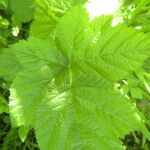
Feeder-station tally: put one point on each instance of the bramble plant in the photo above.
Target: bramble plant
(74, 82)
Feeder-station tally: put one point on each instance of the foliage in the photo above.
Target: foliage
(73, 82)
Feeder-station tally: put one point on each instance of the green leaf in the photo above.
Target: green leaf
(79, 117)
(9, 65)
(36, 57)
(136, 93)
(101, 23)
(35, 53)
(139, 16)
(48, 13)
(3, 105)
(23, 11)
(66, 88)
(72, 33)
(4, 30)
(23, 131)
(44, 20)
(120, 49)
(3, 4)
